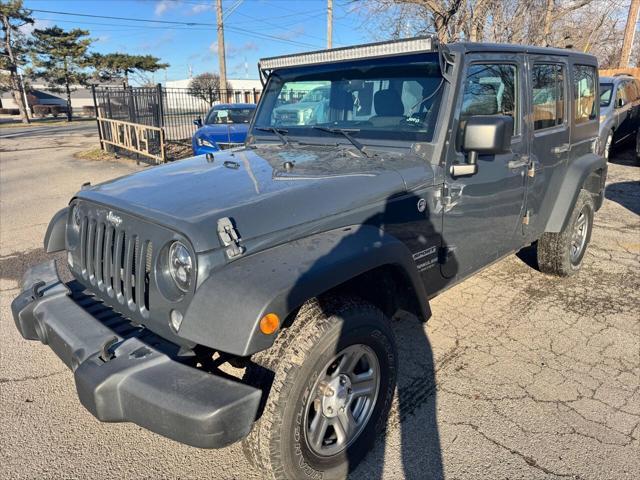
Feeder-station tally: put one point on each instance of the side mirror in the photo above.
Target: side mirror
(198, 122)
(484, 135)
(619, 102)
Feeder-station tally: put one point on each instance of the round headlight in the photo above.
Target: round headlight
(76, 216)
(180, 265)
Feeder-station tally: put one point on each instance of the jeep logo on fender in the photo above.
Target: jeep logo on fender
(114, 219)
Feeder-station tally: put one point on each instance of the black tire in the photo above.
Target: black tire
(277, 444)
(554, 250)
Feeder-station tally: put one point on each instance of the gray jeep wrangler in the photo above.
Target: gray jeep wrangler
(287, 257)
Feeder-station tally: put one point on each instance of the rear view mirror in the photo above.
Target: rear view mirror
(484, 135)
(198, 122)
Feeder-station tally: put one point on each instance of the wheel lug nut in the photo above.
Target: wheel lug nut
(342, 381)
(349, 391)
(330, 409)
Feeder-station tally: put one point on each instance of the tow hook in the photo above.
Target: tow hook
(105, 353)
(35, 289)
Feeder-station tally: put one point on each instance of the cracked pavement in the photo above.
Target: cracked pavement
(517, 375)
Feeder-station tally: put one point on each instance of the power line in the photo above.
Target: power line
(239, 30)
(128, 19)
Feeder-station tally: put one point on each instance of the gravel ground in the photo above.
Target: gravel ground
(516, 376)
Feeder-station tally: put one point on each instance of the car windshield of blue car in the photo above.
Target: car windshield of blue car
(394, 98)
(606, 89)
(229, 115)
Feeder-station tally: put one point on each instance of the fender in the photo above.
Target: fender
(55, 237)
(225, 311)
(573, 181)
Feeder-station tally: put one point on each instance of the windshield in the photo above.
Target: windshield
(229, 115)
(394, 98)
(605, 94)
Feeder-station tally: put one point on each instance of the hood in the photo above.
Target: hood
(229, 132)
(251, 186)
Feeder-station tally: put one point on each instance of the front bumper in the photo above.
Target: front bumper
(124, 373)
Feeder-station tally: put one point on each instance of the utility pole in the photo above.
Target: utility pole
(221, 56)
(329, 23)
(629, 33)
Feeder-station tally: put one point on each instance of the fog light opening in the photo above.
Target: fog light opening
(175, 320)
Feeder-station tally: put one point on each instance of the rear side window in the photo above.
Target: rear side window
(584, 93)
(630, 91)
(490, 89)
(548, 96)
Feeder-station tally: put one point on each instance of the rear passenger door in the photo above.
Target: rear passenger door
(550, 135)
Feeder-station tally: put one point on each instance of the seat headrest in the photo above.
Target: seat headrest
(388, 103)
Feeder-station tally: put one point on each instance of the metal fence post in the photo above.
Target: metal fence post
(160, 106)
(97, 111)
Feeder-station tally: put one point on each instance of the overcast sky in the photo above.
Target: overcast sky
(254, 29)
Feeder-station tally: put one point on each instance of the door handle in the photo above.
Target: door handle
(565, 147)
(519, 162)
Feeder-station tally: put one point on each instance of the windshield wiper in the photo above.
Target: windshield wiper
(280, 132)
(345, 132)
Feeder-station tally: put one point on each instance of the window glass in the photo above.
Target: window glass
(229, 115)
(584, 93)
(548, 96)
(374, 98)
(621, 95)
(490, 89)
(630, 91)
(606, 89)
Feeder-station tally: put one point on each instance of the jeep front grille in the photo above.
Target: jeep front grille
(116, 262)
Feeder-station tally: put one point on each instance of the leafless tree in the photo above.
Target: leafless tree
(594, 26)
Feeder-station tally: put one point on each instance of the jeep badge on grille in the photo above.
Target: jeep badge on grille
(114, 219)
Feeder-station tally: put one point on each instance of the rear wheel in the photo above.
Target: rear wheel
(562, 253)
(333, 378)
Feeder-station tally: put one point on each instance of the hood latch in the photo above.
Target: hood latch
(229, 237)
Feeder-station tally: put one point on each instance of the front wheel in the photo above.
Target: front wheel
(333, 379)
(562, 253)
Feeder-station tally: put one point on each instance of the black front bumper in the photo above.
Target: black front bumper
(123, 376)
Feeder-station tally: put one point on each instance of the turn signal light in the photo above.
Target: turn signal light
(269, 323)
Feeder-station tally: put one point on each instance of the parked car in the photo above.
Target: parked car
(619, 111)
(225, 126)
(287, 258)
(310, 109)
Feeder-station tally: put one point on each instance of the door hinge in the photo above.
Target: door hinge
(230, 237)
(527, 218)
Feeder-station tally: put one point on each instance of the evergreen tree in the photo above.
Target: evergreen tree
(13, 55)
(117, 66)
(59, 57)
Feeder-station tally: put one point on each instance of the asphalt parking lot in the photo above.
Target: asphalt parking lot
(516, 376)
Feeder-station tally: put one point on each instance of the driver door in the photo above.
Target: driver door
(483, 212)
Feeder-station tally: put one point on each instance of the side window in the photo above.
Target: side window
(490, 89)
(548, 96)
(621, 94)
(584, 93)
(630, 91)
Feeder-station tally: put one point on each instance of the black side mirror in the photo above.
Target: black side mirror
(619, 102)
(198, 122)
(484, 135)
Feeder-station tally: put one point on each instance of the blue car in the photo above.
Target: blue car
(225, 127)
